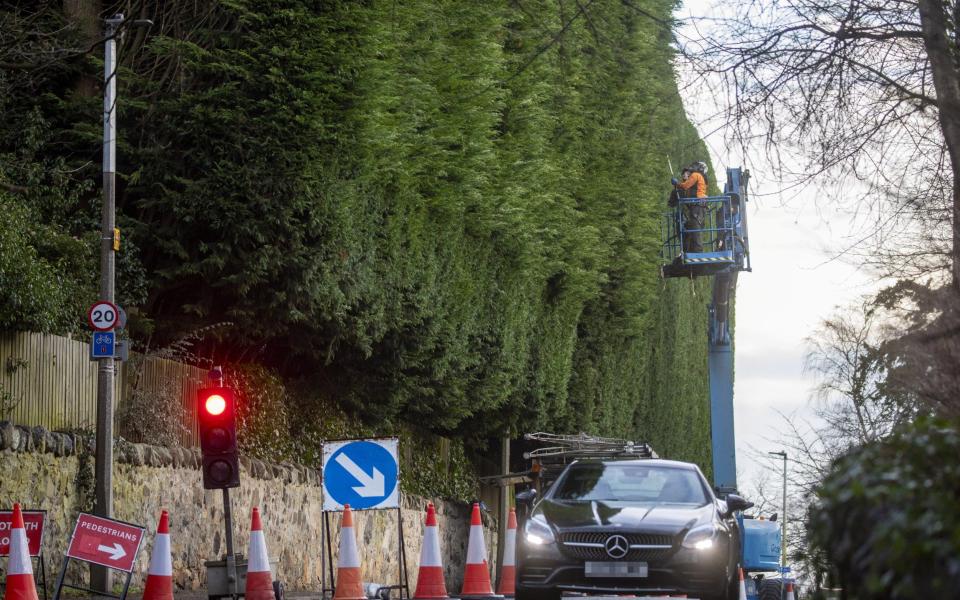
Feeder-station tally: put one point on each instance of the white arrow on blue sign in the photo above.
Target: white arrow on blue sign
(361, 473)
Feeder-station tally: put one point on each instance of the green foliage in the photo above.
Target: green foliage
(49, 237)
(155, 416)
(438, 212)
(432, 466)
(8, 403)
(39, 290)
(263, 420)
(888, 518)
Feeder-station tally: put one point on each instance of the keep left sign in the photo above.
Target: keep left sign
(362, 473)
(33, 522)
(106, 542)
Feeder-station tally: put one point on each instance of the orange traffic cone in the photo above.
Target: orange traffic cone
(159, 584)
(349, 585)
(508, 570)
(259, 578)
(743, 586)
(20, 583)
(790, 595)
(430, 584)
(476, 576)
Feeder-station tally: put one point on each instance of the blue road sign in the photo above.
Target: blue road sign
(361, 473)
(102, 346)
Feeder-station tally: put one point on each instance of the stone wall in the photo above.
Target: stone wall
(54, 472)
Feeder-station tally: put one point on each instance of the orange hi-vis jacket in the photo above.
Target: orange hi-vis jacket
(695, 179)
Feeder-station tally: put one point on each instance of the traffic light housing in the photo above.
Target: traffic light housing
(216, 414)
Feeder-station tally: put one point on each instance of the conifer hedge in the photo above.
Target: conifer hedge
(434, 211)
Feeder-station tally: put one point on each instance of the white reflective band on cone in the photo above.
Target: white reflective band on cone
(510, 548)
(258, 553)
(349, 557)
(430, 554)
(160, 563)
(476, 549)
(19, 554)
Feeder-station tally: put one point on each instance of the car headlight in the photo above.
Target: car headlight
(701, 538)
(537, 532)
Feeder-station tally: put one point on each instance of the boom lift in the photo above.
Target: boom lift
(719, 248)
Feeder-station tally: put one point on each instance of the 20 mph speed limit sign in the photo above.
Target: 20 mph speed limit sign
(103, 316)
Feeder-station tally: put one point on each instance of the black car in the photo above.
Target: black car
(629, 527)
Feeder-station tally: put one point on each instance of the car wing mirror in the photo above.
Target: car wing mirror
(736, 503)
(525, 502)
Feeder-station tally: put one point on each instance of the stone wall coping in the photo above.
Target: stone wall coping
(39, 440)
(19, 438)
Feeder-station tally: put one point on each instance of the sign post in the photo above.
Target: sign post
(33, 523)
(366, 475)
(106, 542)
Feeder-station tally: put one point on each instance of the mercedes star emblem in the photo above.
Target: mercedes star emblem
(616, 546)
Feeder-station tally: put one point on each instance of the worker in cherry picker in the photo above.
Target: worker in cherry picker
(693, 185)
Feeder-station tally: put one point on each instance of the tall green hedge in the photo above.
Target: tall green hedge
(442, 212)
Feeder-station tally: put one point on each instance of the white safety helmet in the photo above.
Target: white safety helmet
(700, 166)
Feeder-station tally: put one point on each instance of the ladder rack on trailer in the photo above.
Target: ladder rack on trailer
(549, 461)
(586, 446)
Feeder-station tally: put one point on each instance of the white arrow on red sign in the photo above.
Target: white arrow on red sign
(116, 552)
(106, 542)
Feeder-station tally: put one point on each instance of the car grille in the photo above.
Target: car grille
(596, 550)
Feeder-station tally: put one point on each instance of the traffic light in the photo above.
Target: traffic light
(218, 438)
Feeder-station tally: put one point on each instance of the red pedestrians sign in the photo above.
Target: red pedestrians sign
(33, 521)
(105, 542)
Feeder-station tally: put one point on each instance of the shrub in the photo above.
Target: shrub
(154, 416)
(263, 423)
(888, 519)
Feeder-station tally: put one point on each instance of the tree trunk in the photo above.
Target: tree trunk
(946, 80)
(85, 16)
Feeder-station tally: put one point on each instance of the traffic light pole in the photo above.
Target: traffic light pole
(216, 378)
(231, 557)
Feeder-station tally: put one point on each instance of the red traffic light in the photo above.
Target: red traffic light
(215, 404)
(216, 422)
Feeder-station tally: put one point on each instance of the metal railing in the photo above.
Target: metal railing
(701, 226)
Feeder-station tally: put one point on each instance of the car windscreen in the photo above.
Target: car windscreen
(631, 483)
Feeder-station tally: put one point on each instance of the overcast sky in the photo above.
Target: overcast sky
(795, 283)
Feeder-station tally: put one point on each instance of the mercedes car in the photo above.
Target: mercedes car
(628, 527)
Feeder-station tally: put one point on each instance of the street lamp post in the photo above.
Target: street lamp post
(783, 516)
(103, 459)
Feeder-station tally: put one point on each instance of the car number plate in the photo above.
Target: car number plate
(615, 569)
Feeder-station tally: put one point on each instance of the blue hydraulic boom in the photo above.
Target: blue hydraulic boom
(707, 237)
